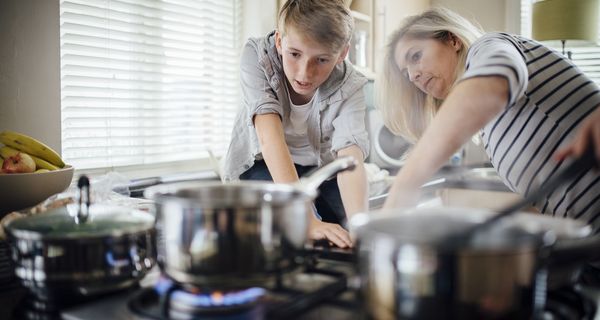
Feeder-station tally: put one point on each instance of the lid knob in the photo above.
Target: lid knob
(84, 195)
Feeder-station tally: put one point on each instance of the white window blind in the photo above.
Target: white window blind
(147, 81)
(587, 58)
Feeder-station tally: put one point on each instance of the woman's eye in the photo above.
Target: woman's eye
(416, 56)
(294, 54)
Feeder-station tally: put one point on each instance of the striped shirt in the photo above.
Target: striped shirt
(548, 99)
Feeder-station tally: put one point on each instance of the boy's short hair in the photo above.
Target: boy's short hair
(326, 21)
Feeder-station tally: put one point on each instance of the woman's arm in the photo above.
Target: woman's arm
(353, 184)
(469, 106)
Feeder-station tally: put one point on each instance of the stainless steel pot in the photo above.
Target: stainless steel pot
(78, 251)
(237, 234)
(408, 271)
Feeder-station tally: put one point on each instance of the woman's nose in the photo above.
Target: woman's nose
(413, 74)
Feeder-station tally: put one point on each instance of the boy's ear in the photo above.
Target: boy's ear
(344, 53)
(278, 41)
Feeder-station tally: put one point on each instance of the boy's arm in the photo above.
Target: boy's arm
(279, 162)
(276, 154)
(353, 184)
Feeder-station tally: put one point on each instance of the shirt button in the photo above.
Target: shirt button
(246, 166)
(327, 138)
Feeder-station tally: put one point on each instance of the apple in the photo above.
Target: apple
(18, 163)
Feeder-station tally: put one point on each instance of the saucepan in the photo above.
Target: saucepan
(82, 250)
(408, 270)
(234, 235)
(414, 264)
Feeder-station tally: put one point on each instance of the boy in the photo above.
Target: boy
(303, 106)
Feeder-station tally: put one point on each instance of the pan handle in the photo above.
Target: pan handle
(311, 183)
(575, 251)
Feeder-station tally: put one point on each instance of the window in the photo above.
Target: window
(587, 58)
(147, 81)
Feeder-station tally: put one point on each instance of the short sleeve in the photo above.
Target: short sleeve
(497, 54)
(349, 125)
(258, 96)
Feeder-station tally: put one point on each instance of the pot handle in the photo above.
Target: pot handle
(575, 251)
(311, 183)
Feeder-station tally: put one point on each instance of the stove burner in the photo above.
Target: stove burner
(278, 300)
(194, 301)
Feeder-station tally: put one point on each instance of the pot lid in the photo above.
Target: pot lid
(61, 223)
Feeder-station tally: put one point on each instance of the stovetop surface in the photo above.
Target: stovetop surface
(339, 306)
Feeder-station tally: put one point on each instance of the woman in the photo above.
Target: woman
(444, 81)
(303, 106)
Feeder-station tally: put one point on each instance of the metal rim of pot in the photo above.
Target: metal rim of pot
(104, 222)
(535, 224)
(197, 192)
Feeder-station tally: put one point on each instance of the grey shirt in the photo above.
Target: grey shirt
(337, 120)
(549, 98)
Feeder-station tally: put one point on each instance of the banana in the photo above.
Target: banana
(31, 146)
(41, 170)
(6, 152)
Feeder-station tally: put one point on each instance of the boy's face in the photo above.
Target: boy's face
(306, 63)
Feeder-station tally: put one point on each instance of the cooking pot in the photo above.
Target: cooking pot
(237, 234)
(82, 250)
(410, 270)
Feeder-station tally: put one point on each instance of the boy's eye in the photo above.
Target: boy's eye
(294, 54)
(322, 60)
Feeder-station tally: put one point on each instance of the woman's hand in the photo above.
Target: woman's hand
(588, 135)
(333, 232)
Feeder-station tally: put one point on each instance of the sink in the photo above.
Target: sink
(478, 187)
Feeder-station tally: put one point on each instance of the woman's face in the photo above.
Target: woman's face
(430, 64)
(306, 63)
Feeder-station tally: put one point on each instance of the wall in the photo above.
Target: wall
(259, 17)
(492, 15)
(30, 68)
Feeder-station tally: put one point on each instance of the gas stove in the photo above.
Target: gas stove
(325, 287)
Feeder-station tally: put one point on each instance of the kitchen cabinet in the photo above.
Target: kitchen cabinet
(361, 52)
(388, 14)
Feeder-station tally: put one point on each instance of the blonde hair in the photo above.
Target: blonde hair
(406, 110)
(328, 22)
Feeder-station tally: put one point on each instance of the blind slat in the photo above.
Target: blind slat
(147, 81)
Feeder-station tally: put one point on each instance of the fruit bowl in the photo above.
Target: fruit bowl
(23, 190)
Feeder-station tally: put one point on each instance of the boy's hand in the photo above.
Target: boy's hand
(333, 232)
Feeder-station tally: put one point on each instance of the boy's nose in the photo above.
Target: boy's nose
(306, 69)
